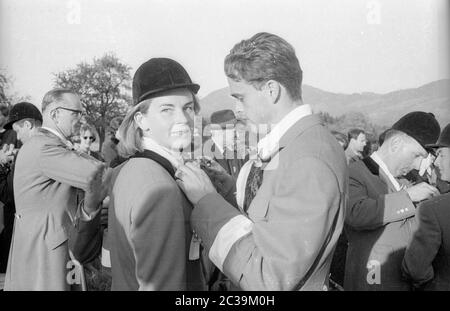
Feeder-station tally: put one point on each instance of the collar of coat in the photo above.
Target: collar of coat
(148, 154)
(298, 128)
(53, 134)
(373, 167)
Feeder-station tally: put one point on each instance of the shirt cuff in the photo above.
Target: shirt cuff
(88, 217)
(232, 231)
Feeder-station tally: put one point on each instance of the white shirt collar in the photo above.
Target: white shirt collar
(385, 169)
(269, 145)
(173, 157)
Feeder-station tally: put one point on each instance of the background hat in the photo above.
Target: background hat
(422, 126)
(22, 111)
(444, 139)
(159, 75)
(223, 117)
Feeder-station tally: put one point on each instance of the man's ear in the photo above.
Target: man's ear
(395, 144)
(273, 90)
(28, 125)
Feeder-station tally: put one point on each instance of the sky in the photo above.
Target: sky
(345, 46)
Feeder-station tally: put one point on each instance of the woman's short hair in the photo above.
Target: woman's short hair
(265, 57)
(130, 135)
(88, 127)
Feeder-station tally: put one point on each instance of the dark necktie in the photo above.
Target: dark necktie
(254, 181)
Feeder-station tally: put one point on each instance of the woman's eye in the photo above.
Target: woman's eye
(189, 108)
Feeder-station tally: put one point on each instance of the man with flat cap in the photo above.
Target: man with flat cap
(24, 118)
(427, 258)
(380, 215)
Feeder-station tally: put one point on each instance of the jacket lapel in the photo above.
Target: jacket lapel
(374, 168)
(298, 128)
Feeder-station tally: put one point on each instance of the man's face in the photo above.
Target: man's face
(255, 104)
(170, 119)
(408, 157)
(68, 114)
(442, 163)
(360, 142)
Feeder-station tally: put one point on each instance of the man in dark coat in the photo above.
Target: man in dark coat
(427, 259)
(380, 215)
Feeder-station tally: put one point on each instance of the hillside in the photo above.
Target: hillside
(382, 109)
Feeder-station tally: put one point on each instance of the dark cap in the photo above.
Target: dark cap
(158, 75)
(422, 126)
(223, 117)
(22, 111)
(444, 139)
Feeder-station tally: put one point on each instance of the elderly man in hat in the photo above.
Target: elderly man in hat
(224, 137)
(24, 118)
(291, 199)
(427, 258)
(380, 215)
(53, 228)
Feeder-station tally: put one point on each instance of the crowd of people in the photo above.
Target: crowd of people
(301, 208)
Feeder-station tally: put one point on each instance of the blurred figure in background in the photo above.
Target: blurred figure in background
(357, 140)
(7, 136)
(87, 137)
(224, 137)
(109, 146)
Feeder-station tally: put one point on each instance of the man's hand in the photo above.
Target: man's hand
(194, 182)
(421, 192)
(98, 188)
(222, 181)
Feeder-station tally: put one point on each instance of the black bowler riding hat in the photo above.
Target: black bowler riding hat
(20, 111)
(444, 139)
(422, 126)
(158, 75)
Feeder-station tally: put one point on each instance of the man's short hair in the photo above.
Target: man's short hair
(265, 57)
(354, 133)
(389, 134)
(54, 95)
(34, 122)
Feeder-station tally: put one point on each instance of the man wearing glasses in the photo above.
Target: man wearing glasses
(53, 225)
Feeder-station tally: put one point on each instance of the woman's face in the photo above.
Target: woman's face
(86, 139)
(169, 119)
